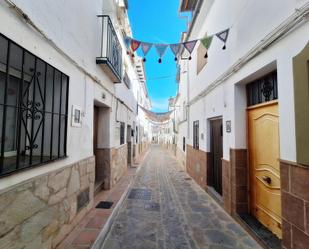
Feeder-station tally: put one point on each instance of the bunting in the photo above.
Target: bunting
(175, 49)
(190, 45)
(161, 48)
(223, 36)
(206, 42)
(146, 46)
(132, 44)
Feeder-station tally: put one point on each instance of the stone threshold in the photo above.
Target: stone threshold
(93, 228)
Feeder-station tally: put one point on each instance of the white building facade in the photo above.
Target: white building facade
(242, 111)
(69, 123)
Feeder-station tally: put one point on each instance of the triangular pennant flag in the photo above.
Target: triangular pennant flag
(161, 48)
(207, 41)
(190, 45)
(146, 46)
(175, 49)
(223, 35)
(135, 44)
(127, 42)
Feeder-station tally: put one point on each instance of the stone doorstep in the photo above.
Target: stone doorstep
(97, 222)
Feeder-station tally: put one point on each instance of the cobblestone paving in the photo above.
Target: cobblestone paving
(177, 215)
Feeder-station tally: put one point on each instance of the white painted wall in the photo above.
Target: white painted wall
(249, 22)
(73, 26)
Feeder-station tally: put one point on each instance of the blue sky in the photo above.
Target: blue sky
(158, 22)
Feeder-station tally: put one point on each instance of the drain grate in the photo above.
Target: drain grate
(105, 204)
(141, 194)
(152, 206)
(188, 178)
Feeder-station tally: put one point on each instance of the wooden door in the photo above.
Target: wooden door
(215, 170)
(265, 193)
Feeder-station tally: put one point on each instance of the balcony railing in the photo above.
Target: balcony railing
(111, 52)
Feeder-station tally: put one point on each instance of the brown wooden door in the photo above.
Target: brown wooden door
(215, 167)
(265, 192)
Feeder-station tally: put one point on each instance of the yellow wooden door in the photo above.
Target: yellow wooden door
(265, 190)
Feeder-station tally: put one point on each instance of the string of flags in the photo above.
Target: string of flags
(132, 45)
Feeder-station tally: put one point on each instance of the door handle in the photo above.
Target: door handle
(266, 179)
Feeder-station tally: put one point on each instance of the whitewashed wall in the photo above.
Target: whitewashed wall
(249, 23)
(73, 26)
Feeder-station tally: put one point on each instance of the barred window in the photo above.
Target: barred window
(263, 89)
(196, 135)
(33, 109)
(122, 131)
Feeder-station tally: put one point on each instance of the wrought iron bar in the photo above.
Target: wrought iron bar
(20, 111)
(4, 107)
(43, 114)
(52, 117)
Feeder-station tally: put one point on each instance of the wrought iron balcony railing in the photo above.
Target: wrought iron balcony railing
(111, 52)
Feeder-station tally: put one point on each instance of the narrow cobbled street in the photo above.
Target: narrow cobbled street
(166, 209)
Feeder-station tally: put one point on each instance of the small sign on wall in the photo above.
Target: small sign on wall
(228, 126)
(76, 116)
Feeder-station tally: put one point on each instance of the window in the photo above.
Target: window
(184, 144)
(196, 135)
(33, 109)
(122, 130)
(263, 89)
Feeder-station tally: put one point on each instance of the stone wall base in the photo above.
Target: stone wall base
(197, 165)
(41, 212)
(113, 162)
(295, 205)
(294, 196)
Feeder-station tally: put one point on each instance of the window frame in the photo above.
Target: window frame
(196, 141)
(122, 133)
(20, 108)
(263, 90)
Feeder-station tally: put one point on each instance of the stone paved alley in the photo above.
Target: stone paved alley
(166, 209)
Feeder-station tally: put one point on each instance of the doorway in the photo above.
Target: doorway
(95, 142)
(97, 151)
(129, 144)
(216, 154)
(263, 141)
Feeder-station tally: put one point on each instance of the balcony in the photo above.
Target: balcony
(187, 5)
(110, 59)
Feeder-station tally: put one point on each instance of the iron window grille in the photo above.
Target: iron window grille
(263, 89)
(122, 130)
(33, 109)
(196, 135)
